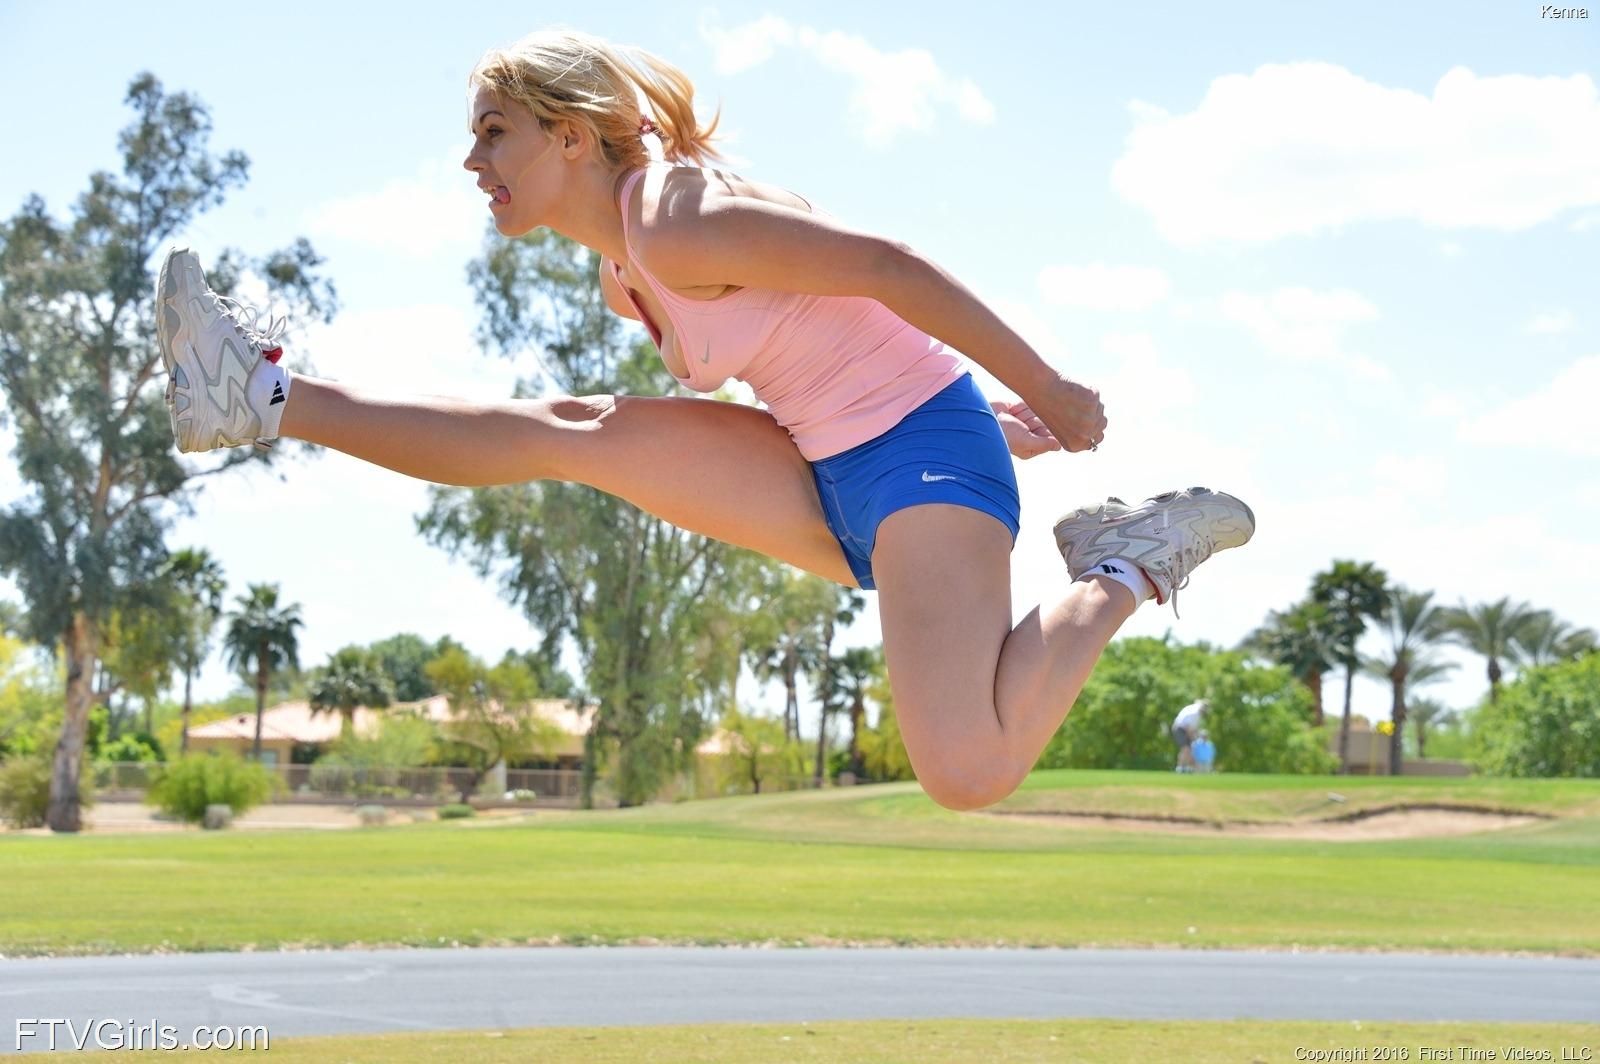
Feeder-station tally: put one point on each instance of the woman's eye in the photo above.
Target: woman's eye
(493, 132)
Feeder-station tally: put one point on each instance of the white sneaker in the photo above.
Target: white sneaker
(223, 379)
(1166, 535)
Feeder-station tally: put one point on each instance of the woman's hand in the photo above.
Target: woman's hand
(1025, 433)
(1071, 412)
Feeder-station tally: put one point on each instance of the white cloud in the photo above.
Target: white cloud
(1305, 147)
(891, 92)
(1585, 222)
(1558, 418)
(1104, 287)
(1419, 474)
(1558, 322)
(1307, 326)
(427, 349)
(747, 46)
(1446, 405)
(439, 211)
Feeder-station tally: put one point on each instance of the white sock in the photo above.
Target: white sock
(268, 392)
(1125, 573)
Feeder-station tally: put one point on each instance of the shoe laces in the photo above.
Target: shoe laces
(248, 319)
(1176, 572)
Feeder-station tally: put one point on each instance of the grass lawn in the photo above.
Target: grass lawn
(951, 1042)
(871, 864)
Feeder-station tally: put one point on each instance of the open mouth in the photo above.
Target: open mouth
(498, 195)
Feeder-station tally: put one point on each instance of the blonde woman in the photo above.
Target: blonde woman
(876, 462)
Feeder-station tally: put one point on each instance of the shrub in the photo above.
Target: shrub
(457, 811)
(1547, 723)
(185, 787)
(25, 790)
(1259, 716)
(372, 815)
(136, 746)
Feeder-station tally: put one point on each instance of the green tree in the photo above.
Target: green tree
(883, 751)
(1544, 639)
(826, 680)
(352, 678)
(634, 594)
(1546, 723)
(492, 714)
(403, 658)
(197, 578)
(758, 748)
(1413, 628)
(1301, 639)
(788, 643)
(261, 638)
(11, 620)
(141, 650)
(30, 699)
(1259, 716)
(857, 670)
(79, 375)
(1352, 593)
(1491, 630)
(1425, 713)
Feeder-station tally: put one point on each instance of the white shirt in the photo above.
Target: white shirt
(1188, 717)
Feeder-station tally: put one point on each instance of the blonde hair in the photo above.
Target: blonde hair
(564, 74)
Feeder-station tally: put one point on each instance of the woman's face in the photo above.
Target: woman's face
(514, 159)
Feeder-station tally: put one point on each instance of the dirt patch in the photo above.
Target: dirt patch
(1382, 824)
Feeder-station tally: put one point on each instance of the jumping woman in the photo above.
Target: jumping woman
(876, 463)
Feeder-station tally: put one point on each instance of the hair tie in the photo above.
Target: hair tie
(647, 127)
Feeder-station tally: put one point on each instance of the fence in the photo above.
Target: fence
(711, 778)
(321, 780)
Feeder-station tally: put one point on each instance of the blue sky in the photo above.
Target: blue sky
(1338, 262)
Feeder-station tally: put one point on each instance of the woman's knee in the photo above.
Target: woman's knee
(965, 793)
(563, 445)
(968, 779)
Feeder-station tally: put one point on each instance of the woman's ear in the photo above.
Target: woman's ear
(573, 137)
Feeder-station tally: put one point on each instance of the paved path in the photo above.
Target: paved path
(341, 992)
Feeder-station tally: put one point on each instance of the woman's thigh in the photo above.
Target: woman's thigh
(944, 596)
(717, 468)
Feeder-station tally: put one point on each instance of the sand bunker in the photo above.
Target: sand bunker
(1385, 824)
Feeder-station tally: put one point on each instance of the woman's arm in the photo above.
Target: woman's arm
(739, 240)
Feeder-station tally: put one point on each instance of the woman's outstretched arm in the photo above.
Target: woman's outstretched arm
(744, 241)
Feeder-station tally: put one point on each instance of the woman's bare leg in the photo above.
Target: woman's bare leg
(716, 468)
(977, 699)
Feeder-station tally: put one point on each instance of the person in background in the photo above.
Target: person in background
(1185, 726)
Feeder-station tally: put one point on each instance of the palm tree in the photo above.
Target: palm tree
(261, 636)
(1414, 627)
(1545, 639)
(1352, 592)
(858, 669)
(197, 578)
(841, 610)
(788, 645)
(1423, 713)
(1490, 629)
(352, 677)
(1300, 639)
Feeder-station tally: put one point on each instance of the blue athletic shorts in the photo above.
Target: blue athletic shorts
(950, 450)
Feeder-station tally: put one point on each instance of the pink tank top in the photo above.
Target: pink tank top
(835, 371)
